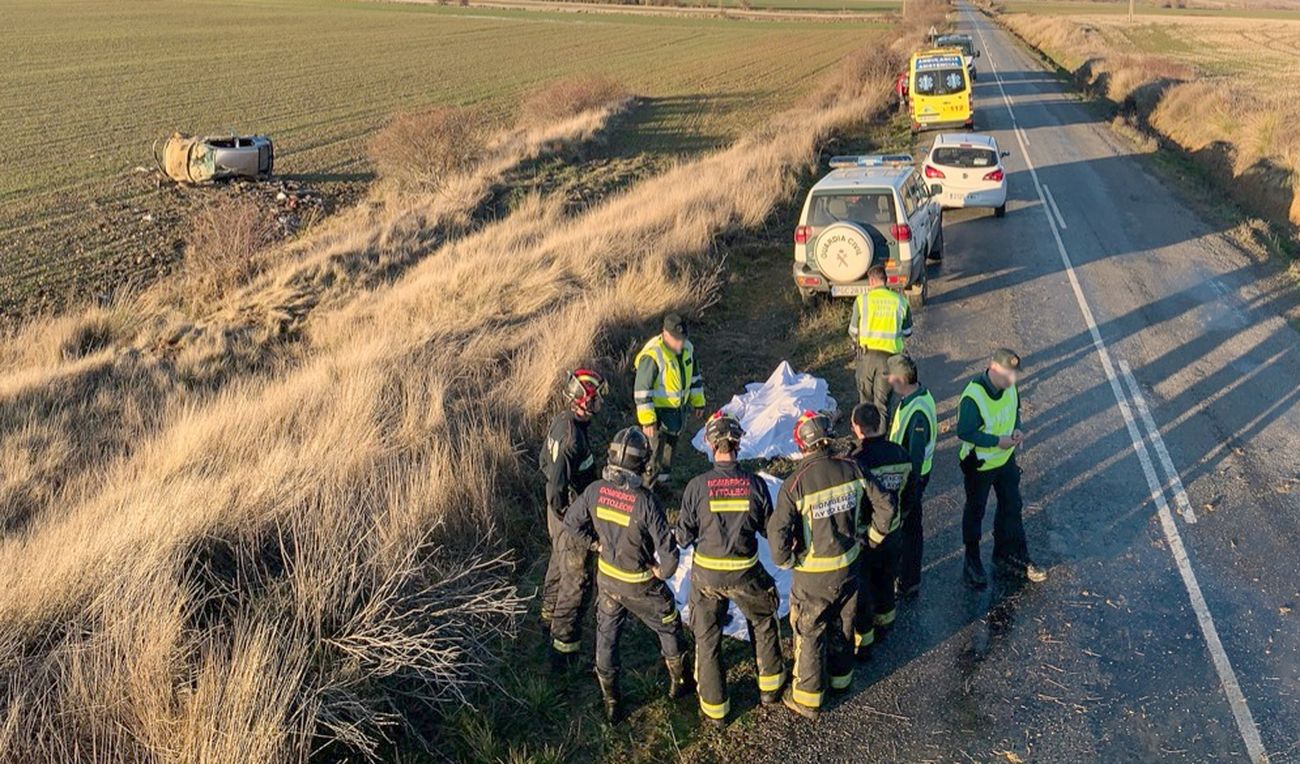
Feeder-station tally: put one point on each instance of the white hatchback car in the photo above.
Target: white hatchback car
(965, 170)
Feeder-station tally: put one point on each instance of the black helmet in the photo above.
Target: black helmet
(811, 431)
(629, 450)
(722, 428)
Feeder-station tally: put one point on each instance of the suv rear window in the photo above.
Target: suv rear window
(962, 156)
(870, 208)
(967, 46)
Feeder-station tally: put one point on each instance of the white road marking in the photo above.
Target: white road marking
(1227, 677)
(1051, 201)
(1158, 443)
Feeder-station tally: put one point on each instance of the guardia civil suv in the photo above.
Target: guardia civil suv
(868, 209)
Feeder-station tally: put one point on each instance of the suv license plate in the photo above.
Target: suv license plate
(849, 291)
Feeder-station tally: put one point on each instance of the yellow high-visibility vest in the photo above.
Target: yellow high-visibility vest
(676, 384)
(923, 403)
(999, 420)
(881, 313)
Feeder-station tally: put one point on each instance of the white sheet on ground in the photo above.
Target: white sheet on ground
(735, 625)
(768, 411)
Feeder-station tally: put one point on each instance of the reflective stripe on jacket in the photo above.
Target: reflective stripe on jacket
(922, 403)
(999, 420)
(881, 314)
(676, 382)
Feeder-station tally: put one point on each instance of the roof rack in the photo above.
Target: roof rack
(872, 160)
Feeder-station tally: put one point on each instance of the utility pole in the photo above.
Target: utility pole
(1130, 12)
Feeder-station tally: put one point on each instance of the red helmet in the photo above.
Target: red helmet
(584, 387)
(811, 430)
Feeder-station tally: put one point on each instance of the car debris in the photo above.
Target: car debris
(199, 159)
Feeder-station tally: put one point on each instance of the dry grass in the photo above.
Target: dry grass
(1209, 105)
(223, 244)
(287, 562)
(422, 151)
(567, 98)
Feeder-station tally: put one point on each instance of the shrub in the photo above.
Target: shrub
(421, 150)
(223, 245)
(570, 97)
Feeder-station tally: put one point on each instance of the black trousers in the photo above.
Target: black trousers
(877, 570)
(873, 388)
(664, 443)
(652, 604)
(754, 592)
(566, 590)
(912, 540)
(1008, 521)
(822, 606)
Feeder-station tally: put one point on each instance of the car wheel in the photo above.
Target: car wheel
(1000, 211)
(936, 250)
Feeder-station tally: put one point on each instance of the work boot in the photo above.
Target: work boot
(909, 592)
(562, 663)
(611, 697)
(1020, 568)
(768, 697)
(974, 573)
(807, 712)
(680, 682)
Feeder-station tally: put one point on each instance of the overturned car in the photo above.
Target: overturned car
(193, 159)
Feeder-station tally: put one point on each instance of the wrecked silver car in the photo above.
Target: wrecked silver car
(192, 159)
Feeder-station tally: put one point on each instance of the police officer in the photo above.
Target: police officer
(723, 511)
(667, 382)
(913, 426)
(815, 529)
(880, 322)
(988, 424)
(887, 466)
(626, 523)
(567, 463)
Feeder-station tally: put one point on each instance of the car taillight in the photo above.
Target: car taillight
(808, 281)
(934, 172)
(801, 234)
(996, 175)
(901, 232)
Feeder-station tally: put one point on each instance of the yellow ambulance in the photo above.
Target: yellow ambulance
(940, 90)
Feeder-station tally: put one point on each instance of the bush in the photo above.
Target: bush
(223, 244)
(420, 150)
(570, 97)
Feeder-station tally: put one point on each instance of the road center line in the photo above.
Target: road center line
(1051, 201)
(1158, 443)
(1227, 677)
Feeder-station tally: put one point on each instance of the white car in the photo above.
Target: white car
(965, 170)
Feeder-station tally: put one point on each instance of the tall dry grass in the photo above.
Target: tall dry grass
(286, 566)
(1237, 134)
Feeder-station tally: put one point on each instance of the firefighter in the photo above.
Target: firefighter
(887, 467)
(815, 529)
(567, 463)
(723, 511)
(667, 383)
(880, 322)
(988, 425)
(626, 522)
(915, 427)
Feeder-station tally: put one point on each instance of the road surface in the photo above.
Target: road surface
(1161, 475)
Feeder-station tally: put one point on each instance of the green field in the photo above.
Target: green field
(1279, 10)
(88, 85)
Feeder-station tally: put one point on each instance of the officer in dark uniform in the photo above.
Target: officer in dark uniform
(567, 463)
(888, 466)
(815, 529)
(627, 524)
(723, 511)
(915, 427)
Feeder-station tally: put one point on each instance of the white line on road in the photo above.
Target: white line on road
(1158, 443)
(1051, 201)
(1227, 677)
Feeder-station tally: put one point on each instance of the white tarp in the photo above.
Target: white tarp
(768, 411)
(735, 625)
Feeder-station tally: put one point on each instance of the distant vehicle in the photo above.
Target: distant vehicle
(940, 90)
(966, 45)
(868, 209)
(189, 159)
(965, 170)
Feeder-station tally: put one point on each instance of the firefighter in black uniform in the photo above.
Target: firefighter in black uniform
(567, 463)
(888, 465)
(627, 524)
(723, 511)
(815, 529)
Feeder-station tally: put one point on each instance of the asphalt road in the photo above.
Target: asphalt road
(1160, 472)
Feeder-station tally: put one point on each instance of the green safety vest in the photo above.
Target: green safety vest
(881, 313)
(672, 388)
(999, 419)
(923, 403)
